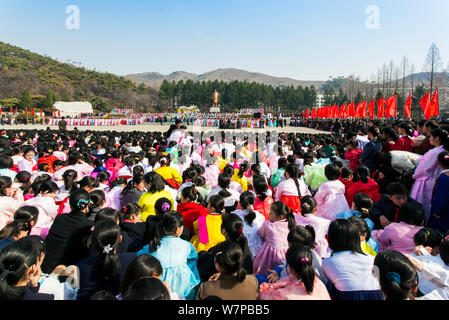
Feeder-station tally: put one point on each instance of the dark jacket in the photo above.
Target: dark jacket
(386, 207)
(132, 196)
(206, 261)
(33, 294)
(64, 242)
(151, 225)
(136, 231)
(367, 155)
(90, 279)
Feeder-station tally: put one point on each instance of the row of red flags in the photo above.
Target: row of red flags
(32, 112)
(385, 108)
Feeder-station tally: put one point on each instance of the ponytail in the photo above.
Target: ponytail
(295, 173)
(244, 166)
(69, 177)
(105, 239)
(247, 201)
(363, 172)
(300, 259)
(230, 259)
(291, 219)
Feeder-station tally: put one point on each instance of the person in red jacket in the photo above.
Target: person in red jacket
(365, 185)
(263, 201)
(189, 209)
(353, 155)
(404, 143)
(346, 177)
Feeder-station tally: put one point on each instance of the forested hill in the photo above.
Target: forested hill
(21, 69)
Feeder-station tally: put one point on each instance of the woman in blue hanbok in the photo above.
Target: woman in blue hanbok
(177, 257)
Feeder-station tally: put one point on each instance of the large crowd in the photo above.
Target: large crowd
(358, 214)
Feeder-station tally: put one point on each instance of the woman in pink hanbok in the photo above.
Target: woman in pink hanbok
(320, 225)
(274, 235)
(428, 170)
(330, 197)
(301, 284)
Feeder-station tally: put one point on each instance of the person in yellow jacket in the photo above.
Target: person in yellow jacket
(240, 175)
(223, 159)
(169, 174)
(207, 228)
(154, 183)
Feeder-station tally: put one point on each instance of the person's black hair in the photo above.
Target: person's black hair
(144, 265)
(428, 237)
(217, 202)
(374, 131)
(363, 204)
(24, 177)
(96, 199)
(443, 159)
(391, 133)
(15, 259)
(233, 225)
(228, 170)
(346, 172)
(103, 176)
(396, 188)
(300, 259)
(308, 205)
(48, 187)
(192, 194)
(280, 209)
(295, 173)
(108, 214)
(167, 227)
(244, 167)
(147, 288)
(282, 163)
(224, 181)
(5, 182)
(230, 259)
(128, 210)
(256, 168)
(14, 228)
(397, 275)
(332, 172)
(117, 182)
(162, 206)
(136, 180)
(44, 167)
(189, 174)
(363, 173)
(102, 295)
(79, 200)
(105, 239)
(362, 226)
(247, 201)
(69, 176)
(27, 213)
(6, 162)
(155, 182)
(411, 213)
(343, 235)
(260, 186)
(407, 127)
(304, 235)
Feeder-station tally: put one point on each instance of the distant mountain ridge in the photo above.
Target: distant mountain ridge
(155, 79)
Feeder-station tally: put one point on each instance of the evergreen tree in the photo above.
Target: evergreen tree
(27, 100)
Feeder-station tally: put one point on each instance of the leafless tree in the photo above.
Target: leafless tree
(432, 65)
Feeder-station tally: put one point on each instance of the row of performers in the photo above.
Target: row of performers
(96, 122)
(240, 123)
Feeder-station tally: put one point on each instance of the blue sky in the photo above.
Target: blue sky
(306, 40)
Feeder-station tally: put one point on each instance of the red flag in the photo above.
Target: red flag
(32, 112)
(59, 113)
(364, 115)
(391, 105)
(380, 108)
(434, 109)
(307, 113)
(351, 110)
(425, 104)
(313, 113)
(371, 109)
(0, 110)
(358, 110)
(26, 111)
(408, 107)
(343, 113)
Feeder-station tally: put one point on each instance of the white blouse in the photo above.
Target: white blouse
(350, 271)
(255, 242)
